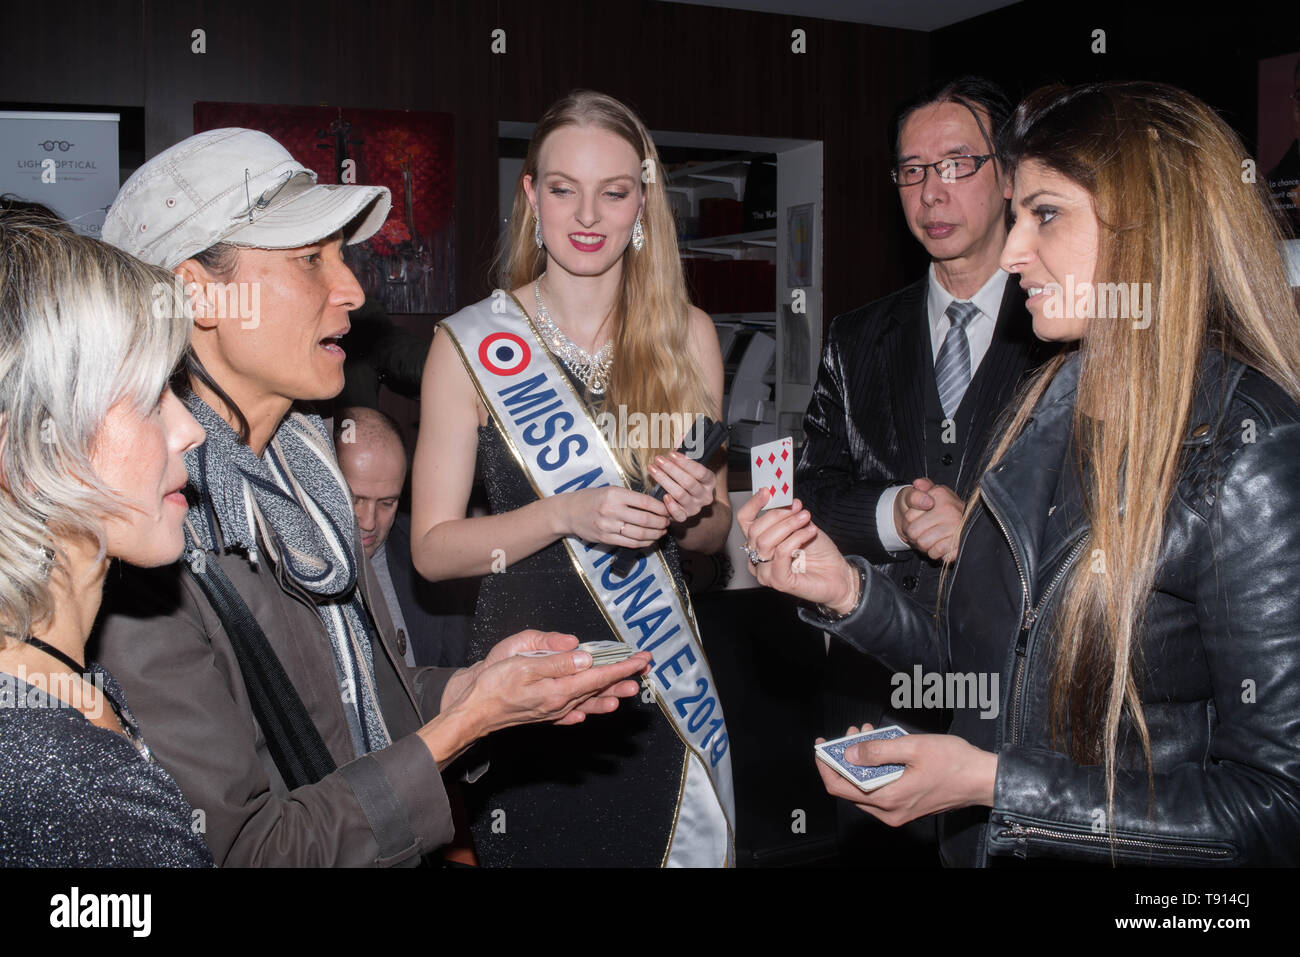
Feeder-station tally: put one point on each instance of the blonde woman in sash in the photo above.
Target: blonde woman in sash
(591, 269)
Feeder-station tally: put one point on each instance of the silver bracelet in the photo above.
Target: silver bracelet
(826, 614)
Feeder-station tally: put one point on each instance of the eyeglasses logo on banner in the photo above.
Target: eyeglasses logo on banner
(49, 145)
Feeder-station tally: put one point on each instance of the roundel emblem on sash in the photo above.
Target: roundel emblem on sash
(504, 353)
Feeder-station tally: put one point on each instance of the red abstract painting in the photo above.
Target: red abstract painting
(409, 265)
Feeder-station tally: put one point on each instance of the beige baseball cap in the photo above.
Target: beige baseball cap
(238, 186)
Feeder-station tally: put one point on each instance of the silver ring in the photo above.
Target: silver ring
(622, 525)
(753, 555)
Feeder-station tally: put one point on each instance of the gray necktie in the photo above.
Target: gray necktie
(952, 368)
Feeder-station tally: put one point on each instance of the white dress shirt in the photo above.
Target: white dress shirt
(979, 335)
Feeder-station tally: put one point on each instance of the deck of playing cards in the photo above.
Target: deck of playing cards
(607, 652)
(866, 778)
(602, 652)
(771, 467)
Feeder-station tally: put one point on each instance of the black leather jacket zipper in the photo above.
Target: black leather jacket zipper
(1028, 615)
(1022, 833)
(1026, 627)
(1025, 623)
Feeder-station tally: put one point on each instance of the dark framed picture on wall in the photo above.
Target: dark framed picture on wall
(409, 265)
(1279, 145)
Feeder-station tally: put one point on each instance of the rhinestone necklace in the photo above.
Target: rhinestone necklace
(591, 370)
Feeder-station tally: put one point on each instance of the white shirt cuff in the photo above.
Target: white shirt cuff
(885, 527)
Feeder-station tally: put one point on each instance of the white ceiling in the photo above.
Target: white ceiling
(904, 14)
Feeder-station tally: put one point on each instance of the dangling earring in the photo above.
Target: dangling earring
(638, 235)
(537, 229)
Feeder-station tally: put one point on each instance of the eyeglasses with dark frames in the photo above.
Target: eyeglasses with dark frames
(948, 169)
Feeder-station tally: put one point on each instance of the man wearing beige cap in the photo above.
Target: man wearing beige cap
(263, 668)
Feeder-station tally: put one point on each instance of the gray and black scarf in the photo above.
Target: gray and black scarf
(294, 506)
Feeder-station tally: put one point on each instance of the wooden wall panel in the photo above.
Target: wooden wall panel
(683, 67)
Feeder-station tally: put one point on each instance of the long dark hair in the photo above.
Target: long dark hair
(973, 92)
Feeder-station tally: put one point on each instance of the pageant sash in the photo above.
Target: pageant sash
(553, 437)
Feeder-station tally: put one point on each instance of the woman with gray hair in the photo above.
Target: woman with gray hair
(91, 468)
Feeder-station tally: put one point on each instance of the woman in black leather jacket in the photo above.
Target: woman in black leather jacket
(1126, 582)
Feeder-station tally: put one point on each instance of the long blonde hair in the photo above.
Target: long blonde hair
(655, 369)
(1165, 174)
(83, 326)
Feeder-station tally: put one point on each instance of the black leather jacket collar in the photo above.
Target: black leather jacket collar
(1020, 479)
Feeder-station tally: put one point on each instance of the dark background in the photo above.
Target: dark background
(683, 68)
(694, 69)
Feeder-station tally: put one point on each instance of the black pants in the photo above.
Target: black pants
(857, 690)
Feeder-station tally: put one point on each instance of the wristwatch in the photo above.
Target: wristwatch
(828, 615)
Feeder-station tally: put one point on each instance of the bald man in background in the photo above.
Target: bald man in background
(431, 620)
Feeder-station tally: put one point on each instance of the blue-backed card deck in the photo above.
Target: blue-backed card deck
(866, 778)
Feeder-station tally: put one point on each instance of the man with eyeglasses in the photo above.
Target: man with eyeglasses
(907, 397)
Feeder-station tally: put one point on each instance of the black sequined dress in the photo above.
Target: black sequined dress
(76, 795)
(599, 794)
